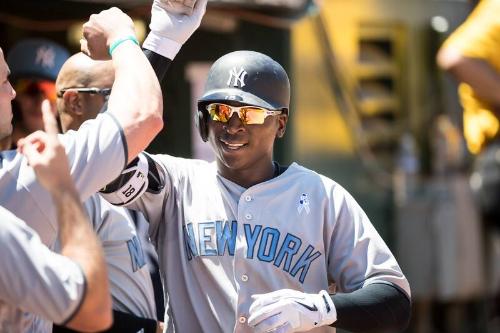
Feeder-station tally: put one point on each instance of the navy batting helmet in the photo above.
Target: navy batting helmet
(246, 77)
(36, 58)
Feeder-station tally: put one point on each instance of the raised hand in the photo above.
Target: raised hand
(102, 29)
(172, 23)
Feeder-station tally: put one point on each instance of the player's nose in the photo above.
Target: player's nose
(234, 124)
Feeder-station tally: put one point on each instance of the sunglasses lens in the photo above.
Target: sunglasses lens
(252, 115)
(219, 112)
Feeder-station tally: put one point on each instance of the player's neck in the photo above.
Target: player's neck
(248, 177)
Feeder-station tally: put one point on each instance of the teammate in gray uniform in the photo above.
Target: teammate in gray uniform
(101, 148)
(38, 286)
(248, 245)
(83, 85)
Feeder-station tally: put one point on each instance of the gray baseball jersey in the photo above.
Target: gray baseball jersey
(97, 153)
(130, 281)
(219, 243)
(37, 286)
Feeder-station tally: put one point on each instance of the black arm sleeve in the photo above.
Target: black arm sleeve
(377, 307)
(159, 63)
(125, 322)
(122, 323)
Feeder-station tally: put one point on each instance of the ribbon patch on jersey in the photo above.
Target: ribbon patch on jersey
(303, 204)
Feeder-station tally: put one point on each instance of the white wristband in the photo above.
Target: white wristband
(162, 45)
(329, 313)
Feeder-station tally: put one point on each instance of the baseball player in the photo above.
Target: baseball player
(83, 86)
(38, 286)
(248, 245)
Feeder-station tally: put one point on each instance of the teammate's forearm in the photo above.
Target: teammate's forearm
(481, 76)
(478, 73)
(136, 97)
(375, 308)
(79, 243)
(77, 239)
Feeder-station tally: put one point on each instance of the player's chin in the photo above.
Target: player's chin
(231, 160)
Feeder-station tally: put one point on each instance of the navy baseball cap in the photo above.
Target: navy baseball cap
(36, 58)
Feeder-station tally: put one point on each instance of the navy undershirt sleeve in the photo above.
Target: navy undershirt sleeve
(376, 307)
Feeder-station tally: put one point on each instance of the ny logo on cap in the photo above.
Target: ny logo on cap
(237, 77)
(45, 56)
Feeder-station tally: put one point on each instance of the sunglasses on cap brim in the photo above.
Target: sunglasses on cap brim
(36, 87)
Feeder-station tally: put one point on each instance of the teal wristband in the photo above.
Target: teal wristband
(117, 42)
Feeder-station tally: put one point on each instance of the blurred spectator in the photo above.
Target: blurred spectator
(471, 55)
(34, 64)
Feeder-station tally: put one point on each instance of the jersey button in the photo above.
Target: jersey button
(242, 320)
(248, 216)
(244, 278)
(248, 198)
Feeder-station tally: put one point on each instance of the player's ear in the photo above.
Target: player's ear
(72, 102)
(282, 121)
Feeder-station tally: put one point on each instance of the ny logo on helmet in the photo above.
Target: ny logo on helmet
(237, 77)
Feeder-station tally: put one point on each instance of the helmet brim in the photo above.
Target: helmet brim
(236, 95)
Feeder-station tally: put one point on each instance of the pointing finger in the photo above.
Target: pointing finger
(49, 120)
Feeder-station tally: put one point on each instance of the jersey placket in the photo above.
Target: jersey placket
(248, 215)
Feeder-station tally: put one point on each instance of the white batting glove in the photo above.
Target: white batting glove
(289, 310)
(172, 23)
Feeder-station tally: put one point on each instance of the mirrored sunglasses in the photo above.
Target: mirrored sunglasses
(249, 115)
